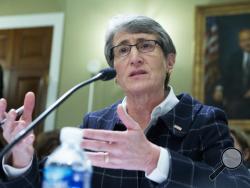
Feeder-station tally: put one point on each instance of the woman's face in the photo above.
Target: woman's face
(141, 72)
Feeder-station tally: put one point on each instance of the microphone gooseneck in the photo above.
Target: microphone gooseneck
(105, 75)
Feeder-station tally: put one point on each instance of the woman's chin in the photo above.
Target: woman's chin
(137, 89)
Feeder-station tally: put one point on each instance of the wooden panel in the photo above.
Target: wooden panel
(23, 81)
(6, 43)
(32, 47)
(25, 57)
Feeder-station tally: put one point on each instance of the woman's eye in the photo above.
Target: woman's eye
(123, 50)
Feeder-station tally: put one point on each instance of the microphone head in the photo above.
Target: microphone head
(107, 74)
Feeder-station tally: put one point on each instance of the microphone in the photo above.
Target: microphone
(105, 75)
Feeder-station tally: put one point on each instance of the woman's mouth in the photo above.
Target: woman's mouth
(137, 73)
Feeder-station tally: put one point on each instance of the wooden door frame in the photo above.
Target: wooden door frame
(55, 20)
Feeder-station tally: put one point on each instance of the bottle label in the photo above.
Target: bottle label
(64, 177)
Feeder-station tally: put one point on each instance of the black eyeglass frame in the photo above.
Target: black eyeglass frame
(136, 45)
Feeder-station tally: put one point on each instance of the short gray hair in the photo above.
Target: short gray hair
(136, 24)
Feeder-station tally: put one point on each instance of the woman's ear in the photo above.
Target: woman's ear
(116, 80)
(170, 61)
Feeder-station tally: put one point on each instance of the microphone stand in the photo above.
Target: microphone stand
(32, 125)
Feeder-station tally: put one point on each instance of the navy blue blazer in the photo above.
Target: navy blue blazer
(195, 150)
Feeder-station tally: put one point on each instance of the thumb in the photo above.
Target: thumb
(30, 139)
(127, 121)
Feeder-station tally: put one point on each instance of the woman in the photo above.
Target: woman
(152, 138)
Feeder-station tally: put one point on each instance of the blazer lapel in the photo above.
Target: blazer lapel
(179, 119)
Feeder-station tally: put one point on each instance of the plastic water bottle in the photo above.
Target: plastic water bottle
(68, 166)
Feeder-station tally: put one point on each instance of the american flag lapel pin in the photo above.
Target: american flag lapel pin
(177, 127)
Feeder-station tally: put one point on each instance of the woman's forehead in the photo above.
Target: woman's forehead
(126, 37)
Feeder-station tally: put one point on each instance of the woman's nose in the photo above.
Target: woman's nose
(135, 56)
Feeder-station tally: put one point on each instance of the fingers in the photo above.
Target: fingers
(26, 142)
(108, 160)
(96, 145)
(21, 153)
(9, 125)
(97, 158)
(30, 139)
(104, 135)
(102, 159)
(3, 105)
(29, 104)
(127, 120)
(12, 127)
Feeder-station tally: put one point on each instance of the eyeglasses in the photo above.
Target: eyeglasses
(144, 46)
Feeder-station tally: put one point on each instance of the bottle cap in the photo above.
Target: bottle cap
(71, 134)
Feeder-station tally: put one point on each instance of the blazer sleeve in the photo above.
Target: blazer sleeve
(30, 179)
(85, 123)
